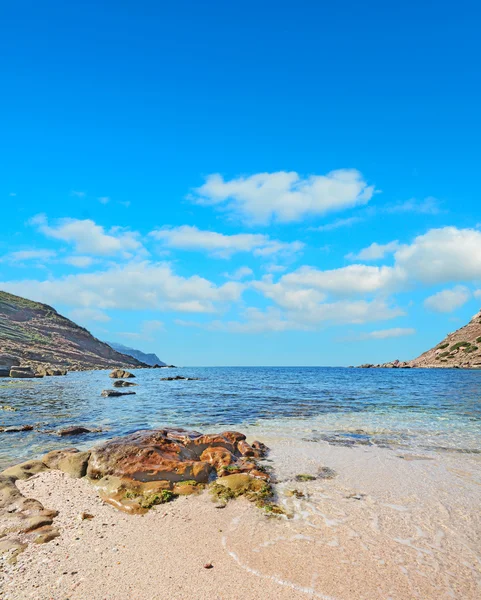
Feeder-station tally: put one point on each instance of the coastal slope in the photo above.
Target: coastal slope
(36, 334)
(459, 349)
(149, 359)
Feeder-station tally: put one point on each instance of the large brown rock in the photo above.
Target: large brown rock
(18, 372)
(148, 467)
(25, 470)
(22, 519)
(138, 471)
(70, 461)
(147, 456)
(168, 455)
(218, 457)
(121, 374)
(48, 371)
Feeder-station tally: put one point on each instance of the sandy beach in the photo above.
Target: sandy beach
(388, 526)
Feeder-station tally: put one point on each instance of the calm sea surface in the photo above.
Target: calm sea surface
(422, 410)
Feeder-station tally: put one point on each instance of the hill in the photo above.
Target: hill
(37, 334)
(461, 349)
(148, 359)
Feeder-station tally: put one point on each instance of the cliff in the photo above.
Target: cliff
(148, 359)
(460, 349)
(37, 334)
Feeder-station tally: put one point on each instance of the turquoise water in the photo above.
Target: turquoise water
(428, 410)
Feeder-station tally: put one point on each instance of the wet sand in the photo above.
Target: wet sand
(391, 525)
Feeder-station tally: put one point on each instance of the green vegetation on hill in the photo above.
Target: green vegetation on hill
(37, 334)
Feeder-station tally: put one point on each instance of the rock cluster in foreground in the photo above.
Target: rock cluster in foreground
(134, 473)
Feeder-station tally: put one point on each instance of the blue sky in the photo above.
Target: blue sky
(207, 180)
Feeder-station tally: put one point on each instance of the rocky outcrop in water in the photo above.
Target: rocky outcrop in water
(35, 334)
(121, 374)
(23, 372)
(115, 393)
(395, 364)
(123, 383)
(179, 378)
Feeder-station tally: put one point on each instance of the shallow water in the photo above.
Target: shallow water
(420, 410)
(398, 520)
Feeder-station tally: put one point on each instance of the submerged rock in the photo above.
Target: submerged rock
(179, 378)
(76, 430)
(115, 393)
(326, 473)
(16, 428)
(122, 383)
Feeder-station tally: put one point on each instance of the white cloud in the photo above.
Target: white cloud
(82, 262)
(85, 315)
(285, 196)
(383, 334)
(88, 237)
(345, 281)
(78, 194)
(104, 199)
(255, 321)
(146, 332)
(477, 294)
(442, 255)
(222, 245)
(274, 268)
(428, 206)
(133, 286)
(239, 274)
(338, 224)
(27, 255)
(304, 315)
(448, 300)
(375, 251)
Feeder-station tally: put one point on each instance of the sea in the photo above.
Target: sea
(390, 508)
(418, 410)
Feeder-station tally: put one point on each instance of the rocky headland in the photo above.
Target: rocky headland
(148, 358)
(460, 349)
(36, 340)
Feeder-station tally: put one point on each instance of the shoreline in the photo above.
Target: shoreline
(387, 526)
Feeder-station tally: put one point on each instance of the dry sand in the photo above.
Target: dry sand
(386, 528)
